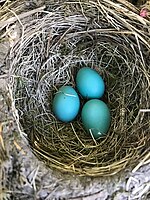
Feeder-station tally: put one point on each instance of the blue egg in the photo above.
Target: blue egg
(66, 104)
(96, 118)
(89, 83)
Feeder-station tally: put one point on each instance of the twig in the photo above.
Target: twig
(144, 110)
(141, 163)
(21, 16)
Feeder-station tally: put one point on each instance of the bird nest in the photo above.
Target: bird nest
(107, 36)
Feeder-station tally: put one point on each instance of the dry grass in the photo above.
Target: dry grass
(54, 45)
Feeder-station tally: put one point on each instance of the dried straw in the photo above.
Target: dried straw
(107, 36)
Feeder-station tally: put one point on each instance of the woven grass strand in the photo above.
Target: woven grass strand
(104, 35)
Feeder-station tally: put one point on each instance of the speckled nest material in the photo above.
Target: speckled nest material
(108, 36)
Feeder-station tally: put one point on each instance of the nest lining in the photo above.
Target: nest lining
(55, 45)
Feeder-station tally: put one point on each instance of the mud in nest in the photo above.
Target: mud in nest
(55, 44)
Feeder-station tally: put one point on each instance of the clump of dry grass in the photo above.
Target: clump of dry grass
(55, 44)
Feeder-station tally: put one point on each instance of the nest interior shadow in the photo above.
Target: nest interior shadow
(55, 44)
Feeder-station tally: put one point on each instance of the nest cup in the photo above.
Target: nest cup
(106, 36)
